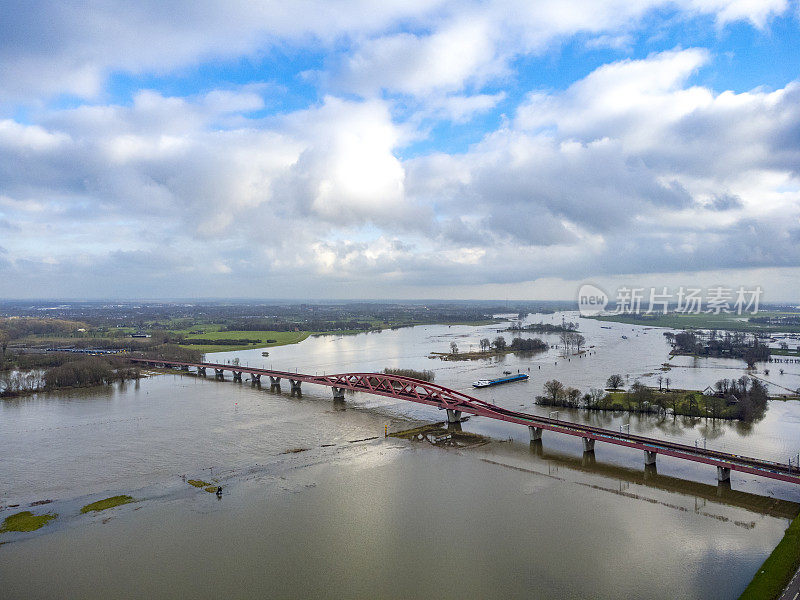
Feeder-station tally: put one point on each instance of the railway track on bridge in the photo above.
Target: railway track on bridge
(456, 403)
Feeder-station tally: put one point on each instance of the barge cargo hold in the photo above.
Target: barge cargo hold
(489, 382)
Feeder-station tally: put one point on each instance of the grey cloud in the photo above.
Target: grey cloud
(724, 202)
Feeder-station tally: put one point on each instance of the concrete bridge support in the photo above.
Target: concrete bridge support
(536, 433)
(649, 457)
(255, 378)
(338, 393)
(274, 381)
(201, 371)
(219, 373)
(588, 445)
(723, 474)
(184, 367)
(453, 416)
(237, 376)
(295, 385)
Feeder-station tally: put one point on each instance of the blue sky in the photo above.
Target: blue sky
(410, 149)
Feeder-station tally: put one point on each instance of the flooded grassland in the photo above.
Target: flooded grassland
(318, 503)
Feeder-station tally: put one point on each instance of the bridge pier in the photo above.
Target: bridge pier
(274, 381)
(295, 383)
(723, 474)
(201, 371)
(536, 433)
(255, 378)
(219, 373)
(537, 448)
(338, 393)
(237, 376)
(184, 367)
(649, 458)
(453, 416)
(588, 445)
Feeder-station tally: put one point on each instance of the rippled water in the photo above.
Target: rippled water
(356, 517)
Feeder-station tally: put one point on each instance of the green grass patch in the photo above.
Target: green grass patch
(282, 338)
(728, 322)
(107, 503)
(782, 352)
(771, 579)
(198, 483)
(26, 521)
(689, 403)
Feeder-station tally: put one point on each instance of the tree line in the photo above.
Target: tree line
(85, 371)
(744, 398)
(732, 344)
(544, 327)
(424, 375)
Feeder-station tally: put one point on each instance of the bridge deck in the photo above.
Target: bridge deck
(423, 392)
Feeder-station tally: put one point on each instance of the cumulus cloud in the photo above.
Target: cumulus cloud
(49, 47)
(634, 168)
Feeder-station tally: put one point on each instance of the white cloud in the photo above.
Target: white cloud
(632, 169)
(418, 65)
(49, 48)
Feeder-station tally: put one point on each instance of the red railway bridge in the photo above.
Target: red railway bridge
(456, 403)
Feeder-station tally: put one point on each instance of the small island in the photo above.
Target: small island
(498, 347)
(743, 399)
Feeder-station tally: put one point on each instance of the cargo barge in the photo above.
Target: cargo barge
(481, 383)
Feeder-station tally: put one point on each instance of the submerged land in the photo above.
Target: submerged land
(30, 342)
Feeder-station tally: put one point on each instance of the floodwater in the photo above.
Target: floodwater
(355, 514)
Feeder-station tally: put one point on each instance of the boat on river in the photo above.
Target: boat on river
(481, 383)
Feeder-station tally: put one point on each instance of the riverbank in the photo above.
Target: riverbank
(777, 571)
(85, 372)
(270, 339)
(725, 322)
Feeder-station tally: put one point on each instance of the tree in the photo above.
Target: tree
(660, 381)
(694, 409)
(566, 339)
(554, 390)
(686, 342)
(573, 396)
(666, 383)
(579, 341)
(614, 382)
(640, 394)
(485, 343)
(499, 343)
(453, 348)
(4, 338)
(594, 397)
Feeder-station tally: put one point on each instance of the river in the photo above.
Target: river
(355, 514)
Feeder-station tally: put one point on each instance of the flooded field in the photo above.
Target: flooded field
(317, 502)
